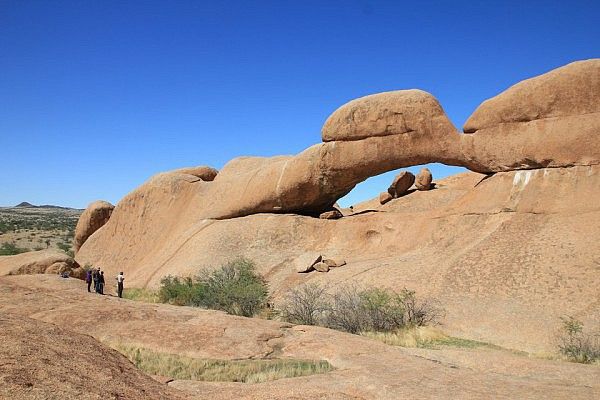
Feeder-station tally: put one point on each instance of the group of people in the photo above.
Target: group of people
(96, 276)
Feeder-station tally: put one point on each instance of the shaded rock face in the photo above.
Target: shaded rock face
(423, 179)
(93, 218)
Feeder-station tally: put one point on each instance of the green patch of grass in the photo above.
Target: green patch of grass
(248, 371)
(139, 294)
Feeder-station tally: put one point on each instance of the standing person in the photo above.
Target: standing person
(120, 279)
(88, 278)
(95, 276)
(101, 283)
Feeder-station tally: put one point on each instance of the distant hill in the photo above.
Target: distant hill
(25, 204)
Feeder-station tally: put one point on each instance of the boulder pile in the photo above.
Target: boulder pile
(311, 261)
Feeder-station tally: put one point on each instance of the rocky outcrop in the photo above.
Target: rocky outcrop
(552, 120)
(401, 183)
(93, 218)
(423, 179)
(203, 172)
(40, 262)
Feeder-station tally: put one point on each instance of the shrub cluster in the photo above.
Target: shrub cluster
(577, 345)
(355, 310)
(234, 288)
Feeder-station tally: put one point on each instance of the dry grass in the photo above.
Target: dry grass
(139, 294)
(248, 371)
(425, 337)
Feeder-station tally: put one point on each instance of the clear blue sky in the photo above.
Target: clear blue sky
(97, 96)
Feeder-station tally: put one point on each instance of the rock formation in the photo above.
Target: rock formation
(423, 179)
(516, 240)
(93, 218)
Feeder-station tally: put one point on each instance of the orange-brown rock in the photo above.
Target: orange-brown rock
(321, 267)
(93, 218)
(423, 179)
(43, 361)
(306, 261)
(203, 172)
(402, 112)
(550, 120)
(385, 197)
(38, 262)
(334, 262)
(401, 183)
(331, 214)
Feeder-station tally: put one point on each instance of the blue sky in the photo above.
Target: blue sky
(97, 96)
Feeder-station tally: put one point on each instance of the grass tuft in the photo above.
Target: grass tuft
(140, 294)
(426, 337)
(248, 371)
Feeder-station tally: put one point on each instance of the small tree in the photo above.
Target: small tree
(577, 345)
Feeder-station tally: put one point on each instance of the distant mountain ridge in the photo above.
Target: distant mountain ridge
(25, 204)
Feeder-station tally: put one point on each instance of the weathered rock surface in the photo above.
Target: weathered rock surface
(423, 179)
(364, 368)
(44, 361)
(401, 183)
(39, 262)
(93, 218)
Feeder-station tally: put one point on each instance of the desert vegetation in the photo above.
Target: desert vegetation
(577, 345)
(37, 228)
(235, 288)
(10, 249)
(357, 310)
(248, 371)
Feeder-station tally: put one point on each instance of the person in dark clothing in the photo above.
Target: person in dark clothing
(95, 276)
(88, 279)
(120, 279)
(101, 283)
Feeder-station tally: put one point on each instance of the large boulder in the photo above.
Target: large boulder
(552, 120)
(423, 179)
(39, 262)
(93, 218)
(401, 183)
(409, 112)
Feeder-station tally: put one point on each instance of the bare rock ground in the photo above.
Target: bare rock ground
(365, 369)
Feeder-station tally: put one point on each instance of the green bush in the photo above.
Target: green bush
(234, 288)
